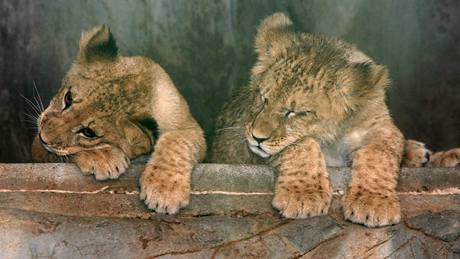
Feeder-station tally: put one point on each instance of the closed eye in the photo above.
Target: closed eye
(263, 98)
(310, 113)
(291, 113)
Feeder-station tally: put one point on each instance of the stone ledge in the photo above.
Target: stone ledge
(206, 177)
(216, 189)
(51, 210)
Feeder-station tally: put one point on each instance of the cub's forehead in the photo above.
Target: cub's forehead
(81, 78)
(89, 84)
(310, 69)
(303, 75)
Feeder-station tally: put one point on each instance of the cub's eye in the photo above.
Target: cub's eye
(87, 132)
(289, 114)
(68, 100)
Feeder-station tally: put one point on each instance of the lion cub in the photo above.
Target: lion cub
(112, 108)
(314, 101)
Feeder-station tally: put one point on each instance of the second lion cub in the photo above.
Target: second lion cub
(314, 101)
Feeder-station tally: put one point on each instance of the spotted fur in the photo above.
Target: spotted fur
(110, 109)
(314, 101)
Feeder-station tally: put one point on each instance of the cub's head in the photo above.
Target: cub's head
(94, 106)
(306, 86)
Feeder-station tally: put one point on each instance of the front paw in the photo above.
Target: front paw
(103, 163)
(163, 191)
(299, 200)
(415, 154)
(370, 208)
(449, 158)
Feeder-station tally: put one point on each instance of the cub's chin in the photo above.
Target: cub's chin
(259, 151)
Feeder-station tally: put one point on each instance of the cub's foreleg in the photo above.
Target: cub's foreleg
(165, 182)
(371, 198)
(303, 188)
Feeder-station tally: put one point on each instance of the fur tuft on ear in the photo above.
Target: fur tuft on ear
(96, 44)
(375, 75)
(273, 35)
(364, 79)
(379, 76)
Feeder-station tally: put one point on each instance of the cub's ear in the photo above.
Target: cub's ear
(97, 44)
(273, 36)
(363, 79)
(376, 75)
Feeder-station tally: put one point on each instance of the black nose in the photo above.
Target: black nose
(259, 140)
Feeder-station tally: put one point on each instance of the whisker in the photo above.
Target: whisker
(32, 127)
(31, 116)
(31, 122)
(241, 140)
(228, 128)
(37, 103)
(40, 102)
(35, 109)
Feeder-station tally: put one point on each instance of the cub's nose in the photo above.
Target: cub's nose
(259, 139)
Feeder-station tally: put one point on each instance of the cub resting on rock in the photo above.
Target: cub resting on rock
(112, 108)
(314, 101)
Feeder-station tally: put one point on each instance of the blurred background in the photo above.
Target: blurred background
(207, 48)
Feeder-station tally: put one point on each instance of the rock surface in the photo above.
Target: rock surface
(52, 211)
(444, 225)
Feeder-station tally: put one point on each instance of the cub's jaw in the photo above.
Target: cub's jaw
(259, 151)
(50, 149)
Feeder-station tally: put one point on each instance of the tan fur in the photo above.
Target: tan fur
(312, 101)
(121, 99)
(303, 188)
(417, 155)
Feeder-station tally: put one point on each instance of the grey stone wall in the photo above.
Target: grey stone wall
(206, 46)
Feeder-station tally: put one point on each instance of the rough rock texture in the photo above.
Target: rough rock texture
(52, 211)
(207, 48)
(444, 225)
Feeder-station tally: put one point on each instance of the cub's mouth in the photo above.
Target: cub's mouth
(50, 148)
(256, 145)
(258, 150)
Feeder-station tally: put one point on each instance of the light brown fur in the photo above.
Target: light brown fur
(312, 101)
(417, 155)
(132, 107)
